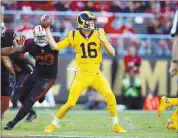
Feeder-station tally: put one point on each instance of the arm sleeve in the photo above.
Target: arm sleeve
(65, 42)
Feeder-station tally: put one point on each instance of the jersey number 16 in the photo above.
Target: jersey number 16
(92, 53)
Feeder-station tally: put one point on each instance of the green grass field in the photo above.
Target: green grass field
(81, 123)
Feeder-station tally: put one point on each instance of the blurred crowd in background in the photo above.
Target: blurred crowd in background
(163, 7)
(116, 23)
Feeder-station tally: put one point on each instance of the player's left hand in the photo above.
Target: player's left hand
(21, 40)
(173, 69)
(101, 37)
(12, 80)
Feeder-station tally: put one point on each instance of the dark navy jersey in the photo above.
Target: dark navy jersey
(174, 30)
(46, 58)
(7, 41)
(19, 63)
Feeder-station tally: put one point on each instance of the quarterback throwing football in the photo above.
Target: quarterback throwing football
(87, 42)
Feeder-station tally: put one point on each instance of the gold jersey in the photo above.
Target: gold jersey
(88, 49)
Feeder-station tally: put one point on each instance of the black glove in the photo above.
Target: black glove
(12, 80)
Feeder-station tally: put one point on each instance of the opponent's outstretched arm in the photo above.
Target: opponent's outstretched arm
(11, 50)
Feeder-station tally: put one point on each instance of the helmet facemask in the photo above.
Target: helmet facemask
(40, 36)
(90, 24)
(3, 29)
(41, 41)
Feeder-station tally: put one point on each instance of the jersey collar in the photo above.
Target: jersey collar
(86, 37)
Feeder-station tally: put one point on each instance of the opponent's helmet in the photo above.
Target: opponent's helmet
(40, 36)
(86, 20)
(3, 29)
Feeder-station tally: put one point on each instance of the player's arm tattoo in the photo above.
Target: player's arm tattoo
(8, 64)
(175, 49)
(11, 50)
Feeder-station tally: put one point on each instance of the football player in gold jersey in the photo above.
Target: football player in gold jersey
(168, 102)
(87, 43)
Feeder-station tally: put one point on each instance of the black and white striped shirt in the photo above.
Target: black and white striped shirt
(174, 30)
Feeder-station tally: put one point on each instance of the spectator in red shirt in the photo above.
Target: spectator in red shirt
(131, 82)
(132, 62)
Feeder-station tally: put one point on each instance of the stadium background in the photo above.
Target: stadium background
(144, 25)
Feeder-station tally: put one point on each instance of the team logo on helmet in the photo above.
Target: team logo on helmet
(86, 20)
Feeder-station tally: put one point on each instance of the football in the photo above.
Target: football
(46, 20)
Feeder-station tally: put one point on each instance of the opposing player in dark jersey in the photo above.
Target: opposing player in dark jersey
(7, 71)
(43, 77)
(23, 65)
(22, 69)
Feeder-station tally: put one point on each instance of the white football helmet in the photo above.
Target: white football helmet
(40, 32)
(3, 29)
